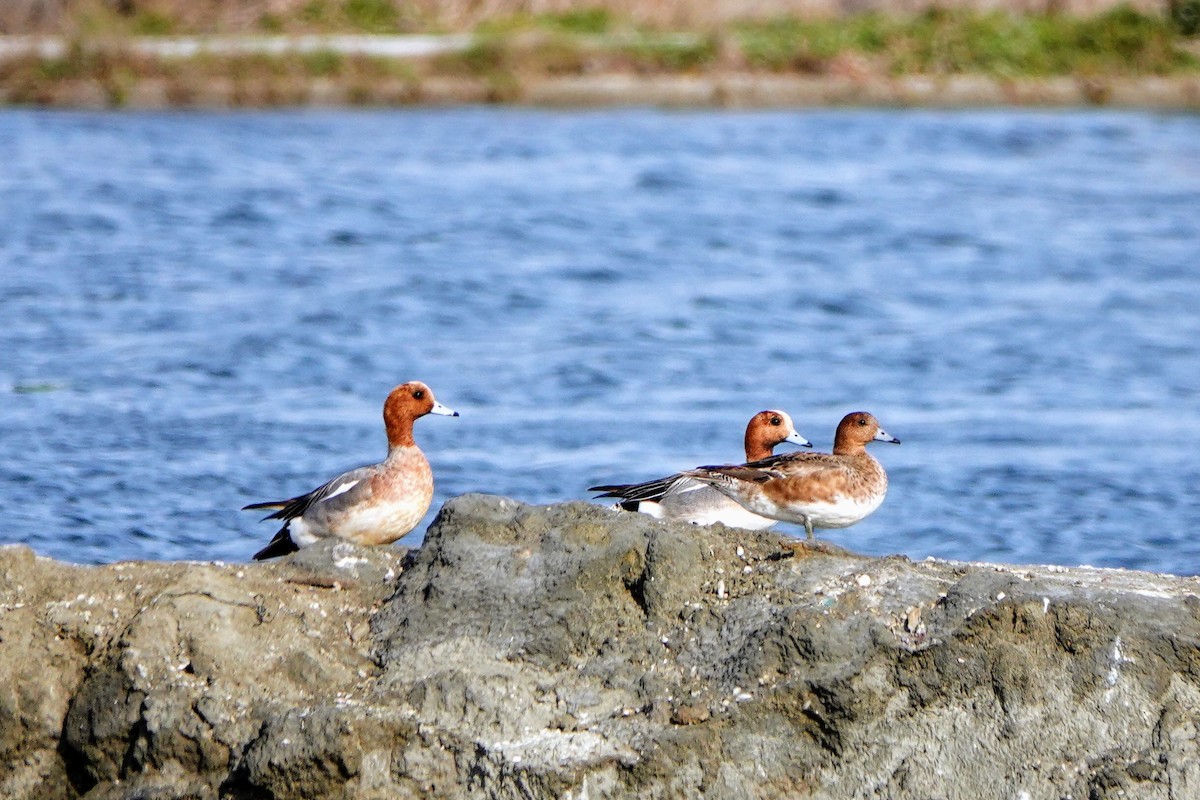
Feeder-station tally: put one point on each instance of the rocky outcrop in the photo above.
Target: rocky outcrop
(572, 651)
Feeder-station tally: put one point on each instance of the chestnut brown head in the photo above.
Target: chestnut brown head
(856, 429)
(404, 405)
(767, 429)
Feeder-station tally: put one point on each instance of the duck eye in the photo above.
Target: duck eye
(862, 420)
(776, 421)
(419, 394)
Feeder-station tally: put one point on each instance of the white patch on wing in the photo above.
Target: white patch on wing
(684, 485)
(345, 487)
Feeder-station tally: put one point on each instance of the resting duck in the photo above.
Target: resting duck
(370, 505)
(816, 490)
(678, 497)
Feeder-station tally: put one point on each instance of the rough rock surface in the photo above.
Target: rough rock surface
(573, 651)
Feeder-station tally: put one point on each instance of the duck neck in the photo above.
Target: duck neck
(841, 447)
(756, 450)
(399, 431)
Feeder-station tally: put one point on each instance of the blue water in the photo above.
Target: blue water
(201, 310)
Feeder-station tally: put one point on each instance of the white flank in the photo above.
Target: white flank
(732, 515)
(650, 508)
(302, 533)
(383, 523)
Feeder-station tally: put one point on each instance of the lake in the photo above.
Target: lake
(200, 310)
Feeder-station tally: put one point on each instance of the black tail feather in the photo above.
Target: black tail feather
(653, 490)
(610, 490)
(280, 509)
(281, 545)
(268, 504)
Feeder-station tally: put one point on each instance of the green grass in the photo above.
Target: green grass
(584, 21)
(487, 55)
(1120, 41)
(322, 63)
(270, 23)
(356, 16)
(660, 54)
(151, 23)
(316, 13)
(581, 22)
(1185, 14)
(372, 16)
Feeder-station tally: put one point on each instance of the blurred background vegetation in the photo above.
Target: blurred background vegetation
(512, 40)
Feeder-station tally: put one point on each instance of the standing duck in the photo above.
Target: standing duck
(369, 505)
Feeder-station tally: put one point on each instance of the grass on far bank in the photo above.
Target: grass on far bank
(1119, 43)
(250, 80)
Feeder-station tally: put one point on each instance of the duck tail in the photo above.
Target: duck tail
(281, 545)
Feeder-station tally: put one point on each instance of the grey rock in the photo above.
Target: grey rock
(575, 651)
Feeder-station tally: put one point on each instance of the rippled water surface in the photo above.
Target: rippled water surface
(201, 310)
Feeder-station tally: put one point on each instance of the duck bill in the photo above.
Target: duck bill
(442, 410)
(797, 439)
(884, 436)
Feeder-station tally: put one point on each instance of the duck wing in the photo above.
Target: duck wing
(341, 486)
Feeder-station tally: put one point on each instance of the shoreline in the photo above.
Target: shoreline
(725, 90)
